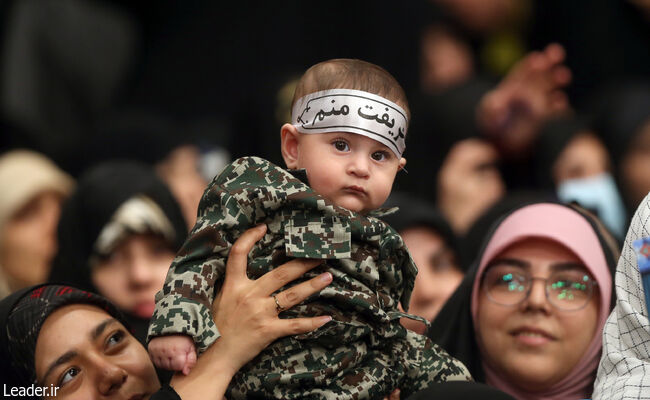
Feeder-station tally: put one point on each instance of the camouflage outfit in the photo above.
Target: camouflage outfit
(363, 352)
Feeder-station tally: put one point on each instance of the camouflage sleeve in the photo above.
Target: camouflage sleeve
(426, 362)
(183, 305)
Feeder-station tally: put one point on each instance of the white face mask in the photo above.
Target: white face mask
(600, 194)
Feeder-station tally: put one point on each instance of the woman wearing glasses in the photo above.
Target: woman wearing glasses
(528, 317)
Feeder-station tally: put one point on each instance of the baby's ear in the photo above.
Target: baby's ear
(402, 163)
(290, 145)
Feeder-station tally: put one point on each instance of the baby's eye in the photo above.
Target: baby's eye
(379, 156)
(68, 375)
(341, 145)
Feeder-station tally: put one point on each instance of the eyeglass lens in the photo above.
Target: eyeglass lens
(566, 290)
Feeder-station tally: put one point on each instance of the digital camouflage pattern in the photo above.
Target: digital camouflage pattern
(364, 352)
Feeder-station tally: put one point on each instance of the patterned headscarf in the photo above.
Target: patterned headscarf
(23, 315)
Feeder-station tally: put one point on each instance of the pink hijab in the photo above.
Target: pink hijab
(570, 229)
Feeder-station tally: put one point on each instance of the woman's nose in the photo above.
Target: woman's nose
(140, 271)
(111, 377)
(536, 299)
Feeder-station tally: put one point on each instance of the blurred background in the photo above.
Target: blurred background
(187, 86)
(90, 79)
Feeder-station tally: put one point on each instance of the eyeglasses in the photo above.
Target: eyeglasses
(566, 290)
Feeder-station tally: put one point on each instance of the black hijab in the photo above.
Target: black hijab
(417, 212)
(621, 110)
(439, 121)
(99, 193)
(453, 328)
(554, 137)
(459, 390)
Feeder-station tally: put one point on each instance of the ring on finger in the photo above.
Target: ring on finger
(278, 307)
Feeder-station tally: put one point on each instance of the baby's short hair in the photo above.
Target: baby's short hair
(346, 73)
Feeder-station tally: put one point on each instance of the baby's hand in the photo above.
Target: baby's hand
(173, 352)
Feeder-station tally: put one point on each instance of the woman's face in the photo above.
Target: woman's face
(134, 272)
(29, 240)
(88, 354)
(469, 182)
(583, 157)
(438, 274)
(533, 344)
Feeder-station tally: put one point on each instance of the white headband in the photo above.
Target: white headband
(354, 111)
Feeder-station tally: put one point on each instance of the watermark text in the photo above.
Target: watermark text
(31, 391)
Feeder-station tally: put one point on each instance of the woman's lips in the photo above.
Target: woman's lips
(531, 336)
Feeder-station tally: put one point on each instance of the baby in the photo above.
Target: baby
(343, 150)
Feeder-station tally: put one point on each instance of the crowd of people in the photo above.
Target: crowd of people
(432, 199)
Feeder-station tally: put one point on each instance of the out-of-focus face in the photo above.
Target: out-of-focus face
(635, 166)
(469, 182)
(134, 272)
(534, 344)
(179, 171)
(446, 60)
(29, 240)
(583, 157)
(353, 171)
(87, 354)
(438, 274)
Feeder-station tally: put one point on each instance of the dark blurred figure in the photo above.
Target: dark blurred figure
(240, 66)
(466, 39)
(64, 63)
(461, 391)
(605, 40)
(118, 234)
(435, 251)
(623, 120)
(507, 115)
(185, 155)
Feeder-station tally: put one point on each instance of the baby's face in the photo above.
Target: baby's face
(351, 170)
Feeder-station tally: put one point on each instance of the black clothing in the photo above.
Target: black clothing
(166, 393)
(552, 139)
(417, 212)
(460, 391)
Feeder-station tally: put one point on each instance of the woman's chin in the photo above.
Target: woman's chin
(531, 378)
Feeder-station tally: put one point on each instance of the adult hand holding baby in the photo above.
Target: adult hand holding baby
(246, 313)
(247, 318)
